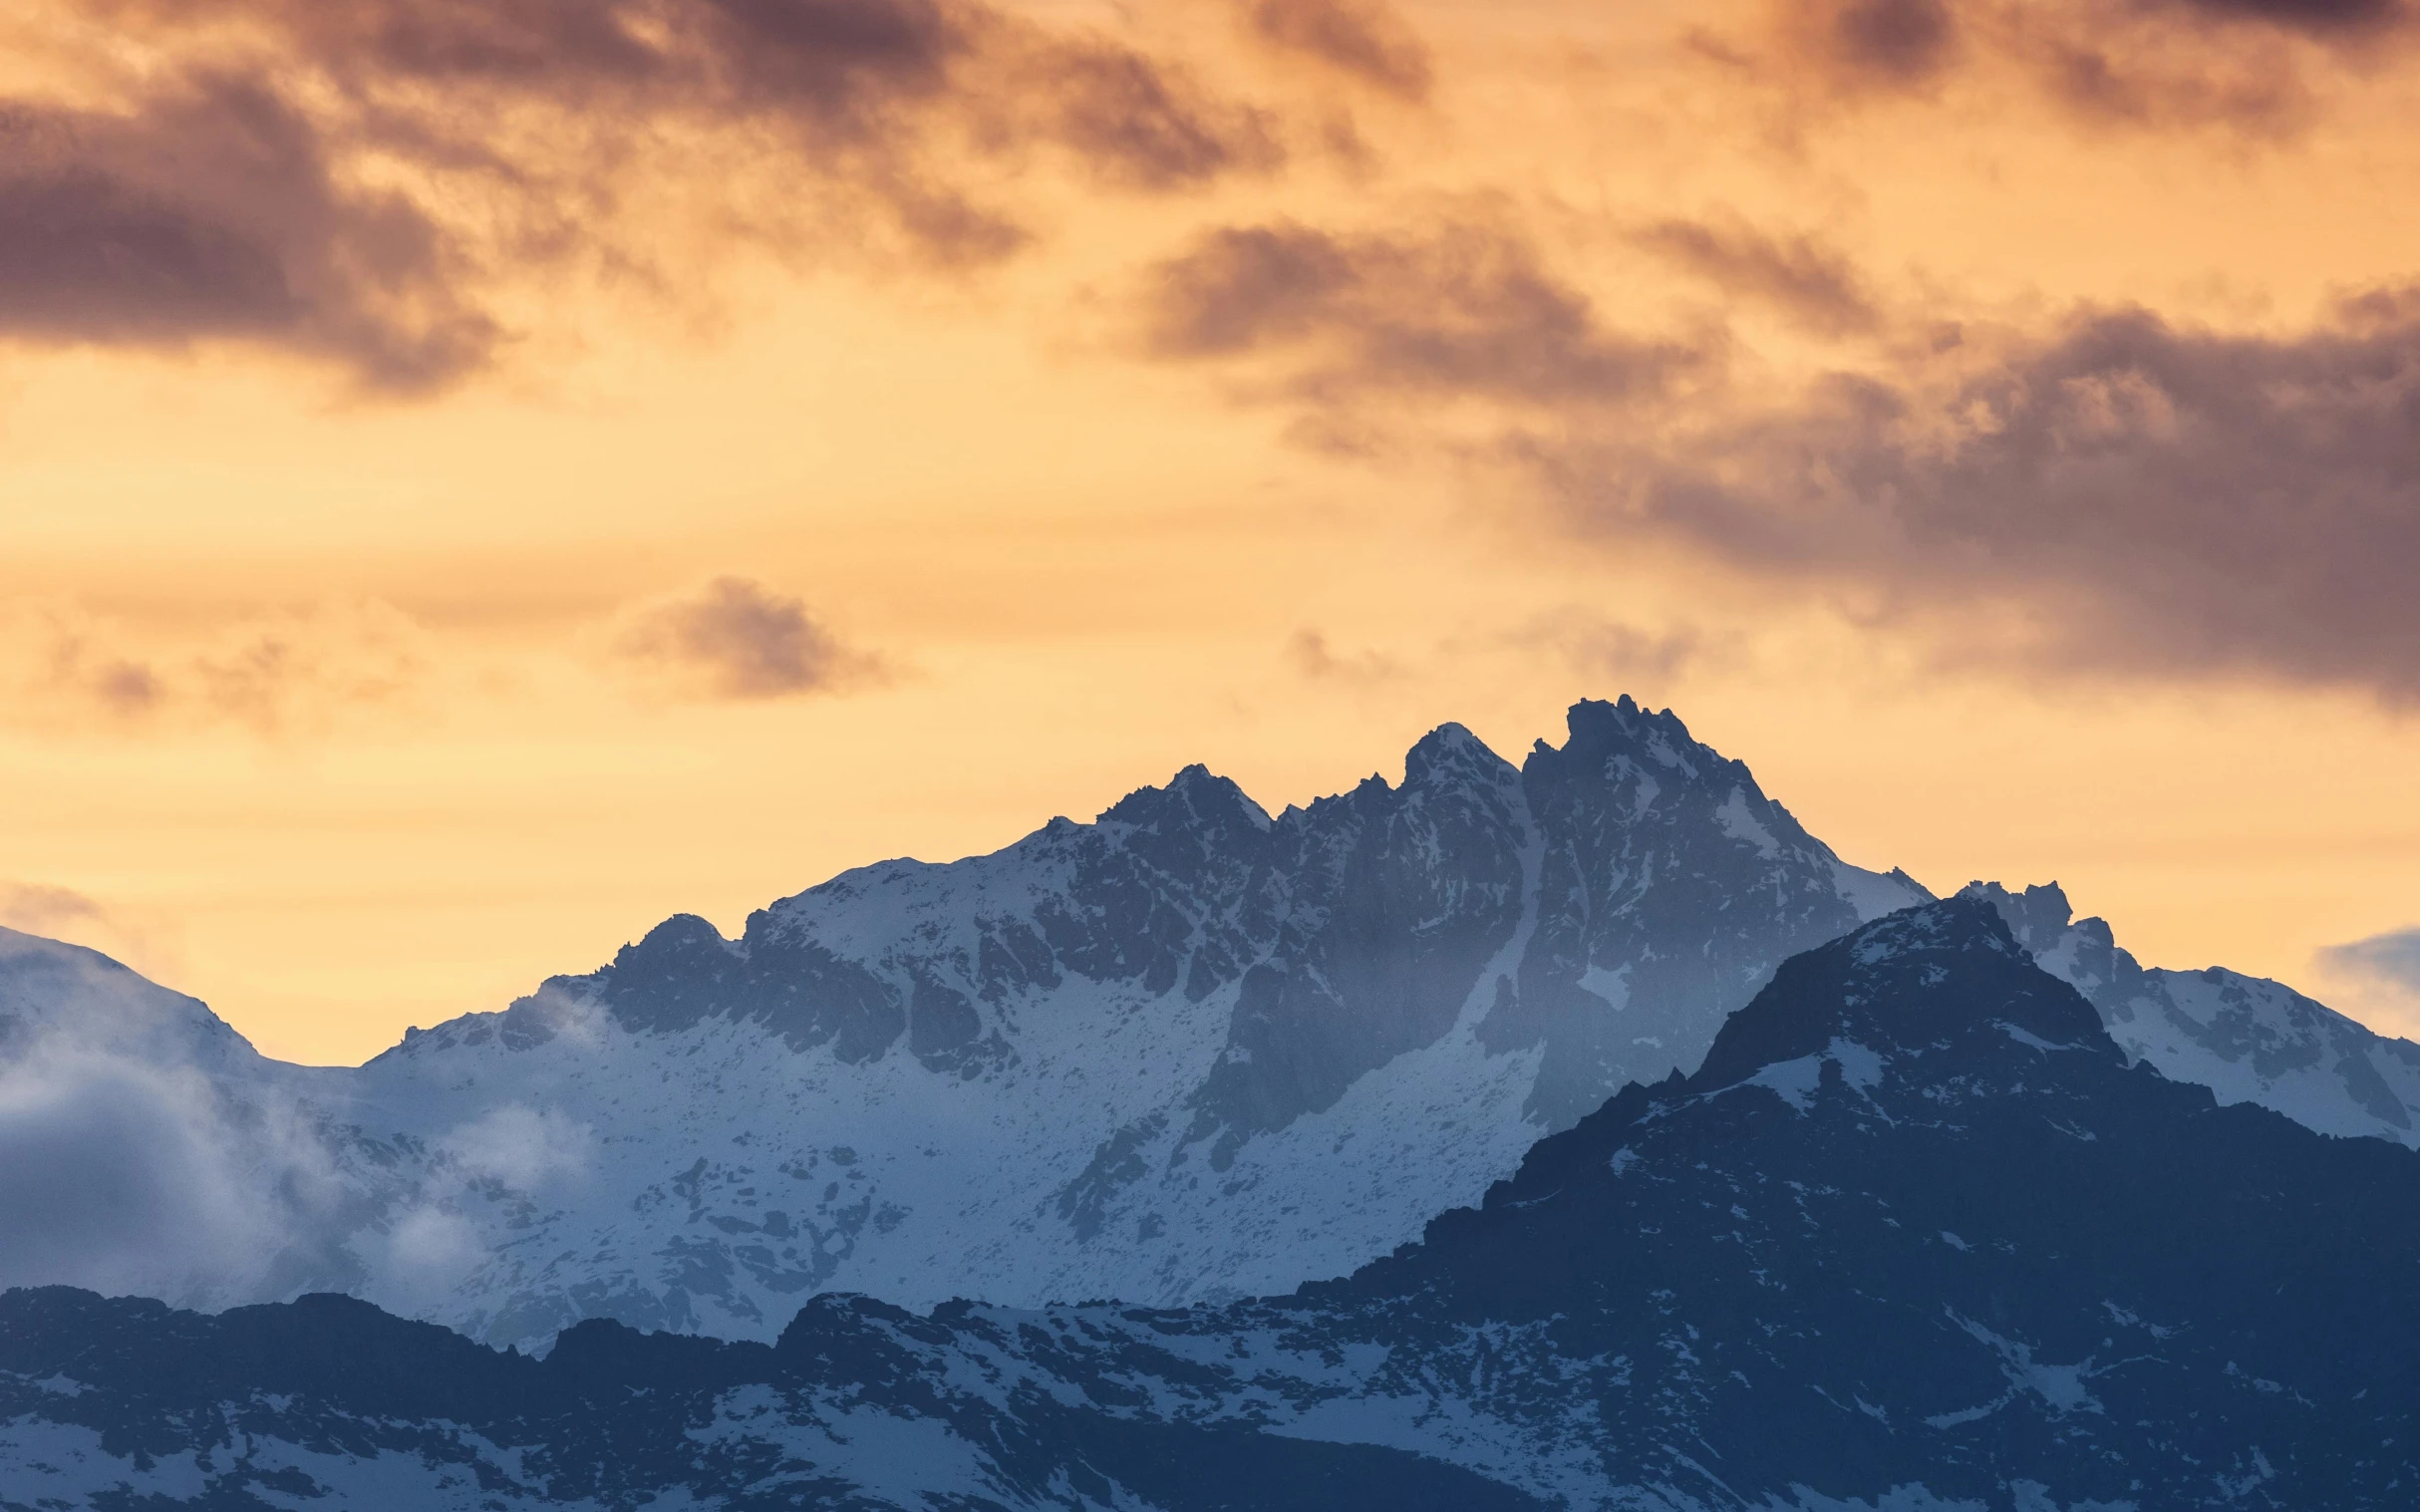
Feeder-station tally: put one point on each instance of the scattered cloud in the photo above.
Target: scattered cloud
(1813, 285)
(1618, 652)
(2256, 67)
(523, 1148)
(1460, 310)
(1363, 39)
(2142, 496)
(736, 638)
(1314, 658)
(281, 672)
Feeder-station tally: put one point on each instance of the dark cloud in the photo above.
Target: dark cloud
(1814, 285)
(222, 200)
(2135, 495)
(1139, 124)
(2116, 493)
(2321, 17)
(214, 212)
(1891, 44)
(2390, 960)
(737, 640)
(1361, 38)
(2251, 66)
(1461, 309)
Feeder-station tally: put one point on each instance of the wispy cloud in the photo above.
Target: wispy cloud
(1442, 311)
(142, 937)
(1618, 652)
(1313, 657)
(1363, 39)
(1812, 284)
(2390, 960)
(2377, 978)
(277, 673)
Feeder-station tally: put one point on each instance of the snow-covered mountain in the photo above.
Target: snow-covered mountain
(1187, 1050)
(2247, 1038)
(1915, 1237)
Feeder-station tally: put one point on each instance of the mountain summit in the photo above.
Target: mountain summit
(1189, 1050)
(1915, 1236)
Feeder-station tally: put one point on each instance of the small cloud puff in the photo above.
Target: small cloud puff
(2390, 960)
(736, 639)
(2377, 980)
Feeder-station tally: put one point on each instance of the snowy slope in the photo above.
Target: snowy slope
(1915, 1236)
(2247, 1038)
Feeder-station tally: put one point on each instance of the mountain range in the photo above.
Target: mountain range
(1918, 1234)
(1188, 1052)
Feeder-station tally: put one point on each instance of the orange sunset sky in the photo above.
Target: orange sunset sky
(477, 479)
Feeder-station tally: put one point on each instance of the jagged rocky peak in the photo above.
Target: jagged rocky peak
(2247, 1038)
(1450, 755)
(1196, 798)
(2037, 917)
(1921, 982)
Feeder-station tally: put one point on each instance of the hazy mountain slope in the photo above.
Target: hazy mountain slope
(2247, 1038)
(1915, 1236)
(145, 1147)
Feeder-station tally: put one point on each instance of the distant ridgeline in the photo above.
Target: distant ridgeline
(1918, 1234)
(1189, 1050)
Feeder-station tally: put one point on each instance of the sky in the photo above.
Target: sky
(476, 480)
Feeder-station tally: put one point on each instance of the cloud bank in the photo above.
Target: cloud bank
(360, 181)
(2141, 495)
(2116, 493)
